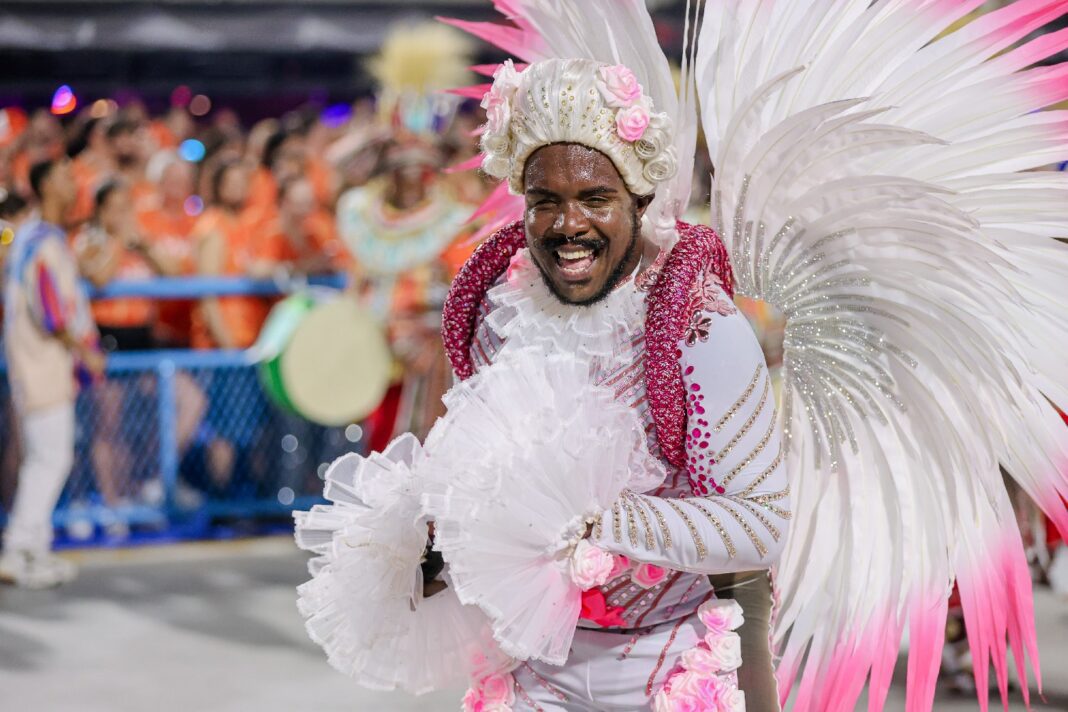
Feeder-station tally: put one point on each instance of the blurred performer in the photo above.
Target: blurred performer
(48, 330)
(405, 228)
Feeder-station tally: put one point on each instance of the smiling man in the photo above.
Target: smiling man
(584, 146)
(583, 223)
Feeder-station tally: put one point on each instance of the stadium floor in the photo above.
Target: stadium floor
(213, 627)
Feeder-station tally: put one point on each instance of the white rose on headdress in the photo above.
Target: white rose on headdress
(506, 79)
(618, 86)
(498, 100)
(498, 112)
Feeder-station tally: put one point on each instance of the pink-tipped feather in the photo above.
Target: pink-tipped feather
(927, 633)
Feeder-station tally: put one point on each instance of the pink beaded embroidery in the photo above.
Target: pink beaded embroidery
(460, 315)
(698, 253)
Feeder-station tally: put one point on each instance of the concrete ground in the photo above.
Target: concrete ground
(213, 627)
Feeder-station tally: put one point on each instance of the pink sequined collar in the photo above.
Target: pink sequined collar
(668, 281)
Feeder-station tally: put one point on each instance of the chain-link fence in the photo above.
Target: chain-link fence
(178, 443)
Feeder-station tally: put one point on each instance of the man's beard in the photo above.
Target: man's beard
(614, 278)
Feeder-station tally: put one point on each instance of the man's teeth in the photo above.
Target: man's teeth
(574, 255)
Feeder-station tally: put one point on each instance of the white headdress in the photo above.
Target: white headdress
(579, 101)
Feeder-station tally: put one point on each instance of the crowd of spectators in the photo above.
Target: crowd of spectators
(173, 195)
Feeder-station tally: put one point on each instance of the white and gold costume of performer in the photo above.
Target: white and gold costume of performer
(596, 462)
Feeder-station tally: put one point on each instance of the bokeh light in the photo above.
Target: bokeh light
(336, 115)
(64, 101)
(194, 205)
(192, 150)
(200, 105)
(181, 96)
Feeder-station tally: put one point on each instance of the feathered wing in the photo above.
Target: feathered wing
(544, 29)
(870, 184)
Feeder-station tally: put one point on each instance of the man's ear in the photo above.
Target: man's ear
(641, 203)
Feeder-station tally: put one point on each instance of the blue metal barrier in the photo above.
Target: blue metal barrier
(184, 443)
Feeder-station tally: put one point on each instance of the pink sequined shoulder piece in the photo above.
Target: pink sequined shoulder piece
(698, 250)
(460, 314)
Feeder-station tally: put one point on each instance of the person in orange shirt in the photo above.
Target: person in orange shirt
(167, 225)
(225, 245)
(300, 236)
(92, 163)
(284, 158)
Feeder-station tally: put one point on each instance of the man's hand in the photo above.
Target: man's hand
(94, 361)
(432, 566)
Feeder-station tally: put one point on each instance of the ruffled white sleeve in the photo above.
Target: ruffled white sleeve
(738, 516)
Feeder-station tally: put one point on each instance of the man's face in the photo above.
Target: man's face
(299, 201)
(176, 184)
(60, 185)
(583, 225)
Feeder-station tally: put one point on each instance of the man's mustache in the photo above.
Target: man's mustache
(589, 243)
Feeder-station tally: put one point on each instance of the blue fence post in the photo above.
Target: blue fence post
(167, 407)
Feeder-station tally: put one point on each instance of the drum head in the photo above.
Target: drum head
(336, 367)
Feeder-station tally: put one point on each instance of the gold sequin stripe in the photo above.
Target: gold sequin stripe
(616, 516)
(664, 530)
(751, 456)
(748, 425)
(728, 543)
(740, 402)
(650, 539)
(632, 527)
(765, 501)
(772, 529)
(598, 527)
(765, 474)
(702, 552)
(757, 543)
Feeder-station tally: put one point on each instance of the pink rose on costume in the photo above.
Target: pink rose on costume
(494, 693)
(590, 565)
(700, 661)
(733, 700)
(632, 122)
(725, 650)
(648, 575)
(620, 565)
(498, 689)
(721, 615)
(618, 86)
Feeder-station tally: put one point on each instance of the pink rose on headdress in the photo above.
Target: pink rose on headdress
(721, 616)
(648, 575)
(733, 700)
(632, 122)
(590, 565)
(618, 86)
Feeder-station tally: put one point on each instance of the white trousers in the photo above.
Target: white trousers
(47, 457)
(607, 671)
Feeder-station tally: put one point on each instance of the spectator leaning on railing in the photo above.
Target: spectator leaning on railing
(48, 331)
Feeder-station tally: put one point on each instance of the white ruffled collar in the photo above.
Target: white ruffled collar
(527, 313)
